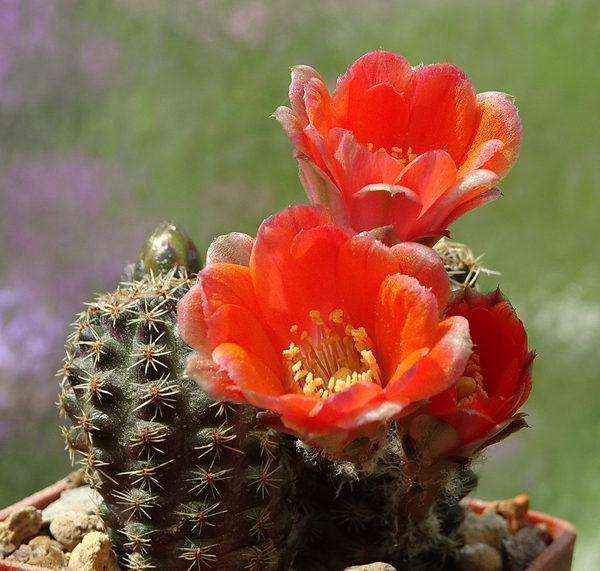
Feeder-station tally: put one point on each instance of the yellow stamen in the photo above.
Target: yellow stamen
(339, 357)
(397, 153)
(469, 388)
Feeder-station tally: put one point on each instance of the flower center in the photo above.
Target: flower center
(469, 388)
(335, 358)
(397, 153)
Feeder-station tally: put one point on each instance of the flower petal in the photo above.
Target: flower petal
(236, 324)
(377, 205)
(429, 176)
(321, 190)
(407, 319)
(363, 264)
(247, 371)
(499, 121)
(422, 263)
(442, 110)
(467, 193)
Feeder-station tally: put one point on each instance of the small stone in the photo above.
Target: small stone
(523, 547)
(94, 553)
(478, 557)
(19, 527)
(21, 554)
(514, 511)
(488, 528)
(47, 553)
(81, 499)
(70, 527)
(378, 566)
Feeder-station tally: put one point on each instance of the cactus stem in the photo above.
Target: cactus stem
(217, 437)
(260, 558)
(150, 354)
(200, 514)
(200, 555)
(208, 479)
(146, 474)
(136, 501)
(262, 478)
(147, 439)
(159, 395)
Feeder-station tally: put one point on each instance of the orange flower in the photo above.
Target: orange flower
(480, 409)
(394, 145)
(334, 333)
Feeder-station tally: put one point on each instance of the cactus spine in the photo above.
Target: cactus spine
(187, 483)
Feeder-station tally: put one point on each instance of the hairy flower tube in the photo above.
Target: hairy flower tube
(332, 332)
(480, 408)
(395, 145)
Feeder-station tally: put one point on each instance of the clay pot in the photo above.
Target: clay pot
(556, 557)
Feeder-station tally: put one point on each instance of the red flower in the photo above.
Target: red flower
(480, 408)
(394, 145)
(333, 332)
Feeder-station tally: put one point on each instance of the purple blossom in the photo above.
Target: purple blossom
(43, 55)
(61, 241)
(96, 59)
(28, 31)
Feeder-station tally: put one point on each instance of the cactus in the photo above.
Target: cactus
(349, 515)
(187, 483)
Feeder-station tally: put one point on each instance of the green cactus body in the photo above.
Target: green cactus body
(187, 483)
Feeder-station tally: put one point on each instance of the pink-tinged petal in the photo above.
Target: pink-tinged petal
(321, 190)
(429, 176)
(363, 263)
(317, 103)
(442, 110)
(212, 380)
(247, 371)
(226, 284)
(499, 120)
(191, 318)
(293, 127)
(422, 263)
(377, 205)
(294, 219)
(304, 76)
(481, 155)
(321, 152)
(232, 248)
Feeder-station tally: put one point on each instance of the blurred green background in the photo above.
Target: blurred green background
(117, 114)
